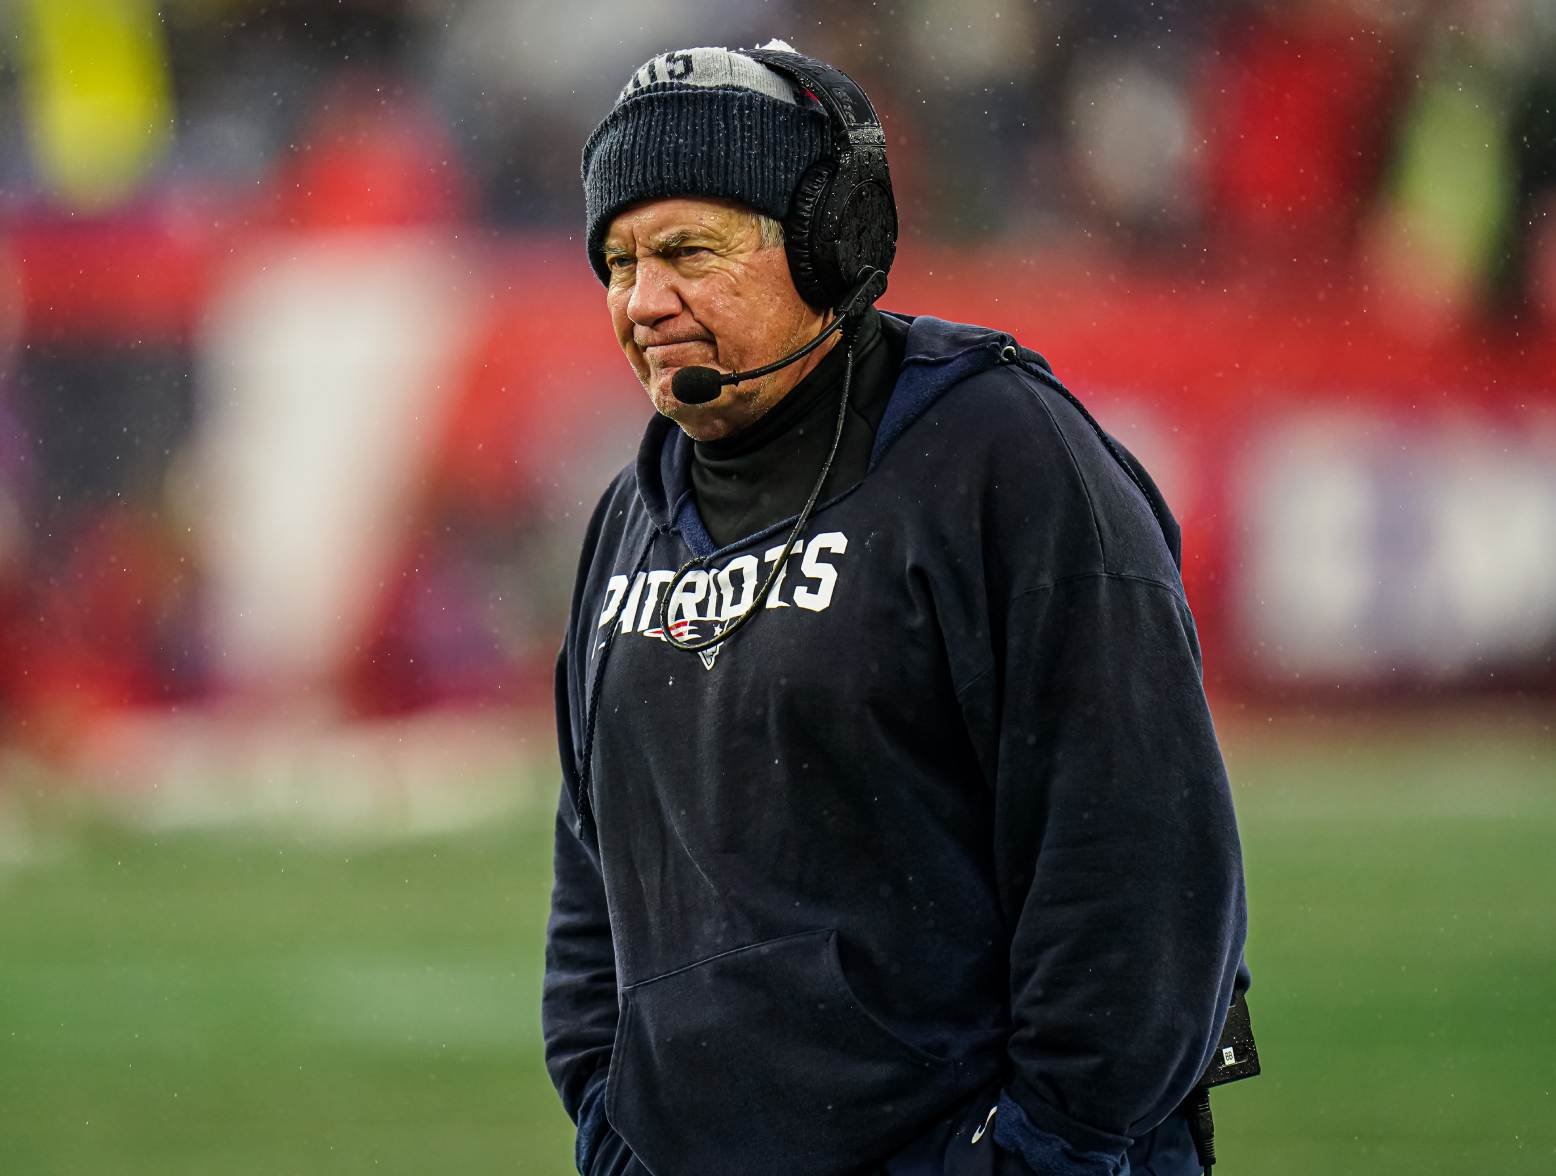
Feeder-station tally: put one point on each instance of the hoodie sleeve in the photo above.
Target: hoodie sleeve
(579, 996)
(1117, 862)
(578, 1003)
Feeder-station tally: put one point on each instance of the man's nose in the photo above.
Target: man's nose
(654, 293)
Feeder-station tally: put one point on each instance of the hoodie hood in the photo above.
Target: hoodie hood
(940, 355)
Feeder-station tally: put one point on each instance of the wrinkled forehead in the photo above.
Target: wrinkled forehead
(711, 68)
(676, 220)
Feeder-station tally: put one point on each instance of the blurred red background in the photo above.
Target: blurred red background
(304, 405)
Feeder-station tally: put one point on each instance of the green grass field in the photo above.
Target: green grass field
(244, 1003)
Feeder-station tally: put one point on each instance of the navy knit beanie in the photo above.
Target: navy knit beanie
(700, 122)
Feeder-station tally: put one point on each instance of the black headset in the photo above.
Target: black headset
(842, 219)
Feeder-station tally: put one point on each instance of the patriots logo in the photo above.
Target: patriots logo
(693, 629)
(722, 595)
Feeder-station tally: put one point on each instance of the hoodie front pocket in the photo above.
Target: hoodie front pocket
(762, 1060)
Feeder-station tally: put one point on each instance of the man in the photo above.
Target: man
(926, 861)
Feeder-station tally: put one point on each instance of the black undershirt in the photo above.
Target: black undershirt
(764, 473)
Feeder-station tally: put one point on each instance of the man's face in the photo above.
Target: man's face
(692, 285)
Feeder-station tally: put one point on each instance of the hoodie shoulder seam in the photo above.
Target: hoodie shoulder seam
(1075, 465)
(1151, 581)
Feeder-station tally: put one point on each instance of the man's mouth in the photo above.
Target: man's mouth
(677, 353)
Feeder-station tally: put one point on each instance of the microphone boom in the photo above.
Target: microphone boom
(699, 385)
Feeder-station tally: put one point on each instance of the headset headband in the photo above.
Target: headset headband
(852, 117)
(842, 219)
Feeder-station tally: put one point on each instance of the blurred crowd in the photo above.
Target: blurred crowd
(1235, 130)
(1407, 146)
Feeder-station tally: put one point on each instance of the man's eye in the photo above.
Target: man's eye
(618, 261)
(690, 250)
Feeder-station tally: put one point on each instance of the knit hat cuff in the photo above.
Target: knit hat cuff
(665, 140)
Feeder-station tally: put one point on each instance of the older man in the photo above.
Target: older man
(926, 861)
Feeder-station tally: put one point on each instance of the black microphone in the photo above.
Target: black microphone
(698, 385)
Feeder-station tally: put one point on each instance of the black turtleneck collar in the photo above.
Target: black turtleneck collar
(764, 473)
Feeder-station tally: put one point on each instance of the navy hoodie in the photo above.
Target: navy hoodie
(948, 816)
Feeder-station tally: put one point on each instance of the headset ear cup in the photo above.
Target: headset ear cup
(866, 231)
(808, 256)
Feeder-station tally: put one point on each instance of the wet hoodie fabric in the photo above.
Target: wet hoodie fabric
(945, 827)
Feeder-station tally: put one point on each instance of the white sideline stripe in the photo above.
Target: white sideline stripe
(432, 773)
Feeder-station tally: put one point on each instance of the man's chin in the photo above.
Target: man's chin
(712, 421)
(659, 391)
(696, 420)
